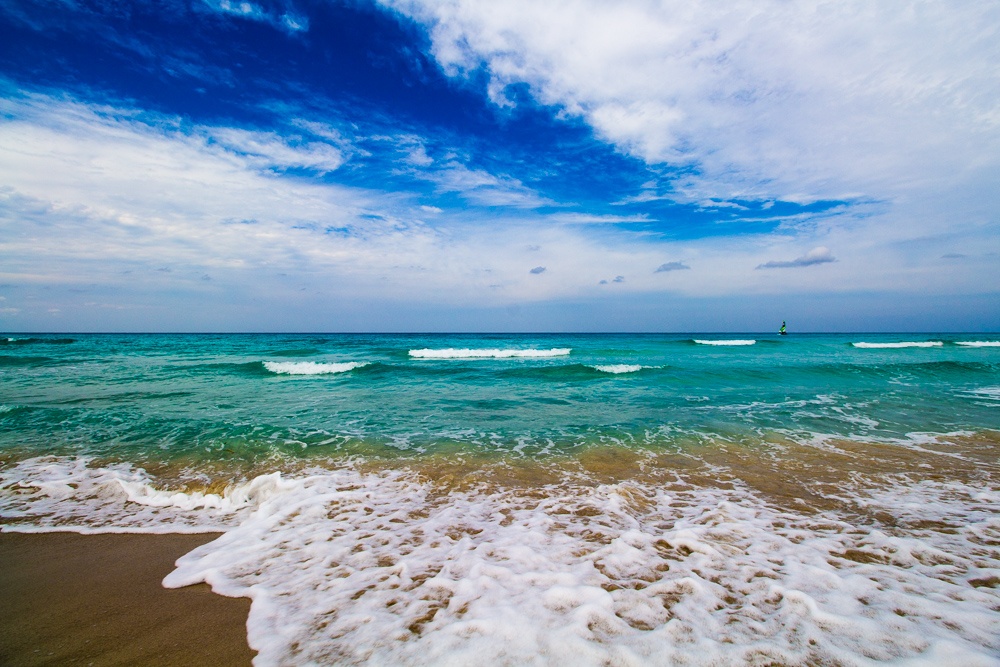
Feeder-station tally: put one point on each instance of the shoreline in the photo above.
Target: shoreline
(72, 599)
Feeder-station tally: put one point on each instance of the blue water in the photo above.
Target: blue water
(213, 396)
(537, 499)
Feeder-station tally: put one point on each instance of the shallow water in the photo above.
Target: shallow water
(577, 499)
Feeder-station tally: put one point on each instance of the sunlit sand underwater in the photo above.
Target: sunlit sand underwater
(558, 499)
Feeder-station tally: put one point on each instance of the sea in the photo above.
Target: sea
(556, 499)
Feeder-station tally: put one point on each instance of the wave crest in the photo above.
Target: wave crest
(893, 346)
(725, 342)
(310, 367)
(454, 353)
(620, 368)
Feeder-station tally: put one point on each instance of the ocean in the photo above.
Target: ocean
(556, 499)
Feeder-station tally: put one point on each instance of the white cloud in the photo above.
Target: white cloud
(419, 158)
(760, 99)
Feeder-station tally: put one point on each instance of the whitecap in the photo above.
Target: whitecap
(453, 353)
(992, 393)
(310, 367)
(876, 346)
(978, 343)
(725, 342)
(620, 368)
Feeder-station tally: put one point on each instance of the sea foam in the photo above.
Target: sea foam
(725, 342)
(453, 353)
(348, 567)
(924, 343)
(979, 343)
(310, 367)
(71, 494)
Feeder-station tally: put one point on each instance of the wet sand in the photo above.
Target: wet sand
(69, 599)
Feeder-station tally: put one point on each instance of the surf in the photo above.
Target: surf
(467, 353)
(736, 342)
(894, 346)
(311, 367)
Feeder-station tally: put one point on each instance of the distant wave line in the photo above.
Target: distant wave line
(454, 353)
(978, 343)
(725, 342)
(928, 343)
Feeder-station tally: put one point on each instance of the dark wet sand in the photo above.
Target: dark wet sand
(68, 599)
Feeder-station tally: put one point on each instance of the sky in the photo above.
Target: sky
(488, 165)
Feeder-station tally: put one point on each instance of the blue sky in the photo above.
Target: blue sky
(436, 165)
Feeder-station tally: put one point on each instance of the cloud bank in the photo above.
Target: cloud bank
(754, 99)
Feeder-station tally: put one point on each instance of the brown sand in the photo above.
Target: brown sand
(68, 599)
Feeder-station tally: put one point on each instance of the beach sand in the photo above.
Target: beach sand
(69, 599)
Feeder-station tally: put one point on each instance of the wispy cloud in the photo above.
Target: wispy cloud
(269, 150)
(288, 20)
(818, 255)
(480, 186)
(597, 219)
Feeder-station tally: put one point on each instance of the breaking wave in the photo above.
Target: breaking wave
(453, 353)
(620, 368)
(310, 367)
(876, 346)
(725, 342)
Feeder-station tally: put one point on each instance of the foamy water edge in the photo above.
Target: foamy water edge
(347, 566)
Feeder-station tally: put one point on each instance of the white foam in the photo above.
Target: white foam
(310, 367)
(453, 353)
(725, 342)
(620, 368)
(377, 569)
(923, 343)
(68, 494)
(345, 567)
(986, 392)
(978, 343)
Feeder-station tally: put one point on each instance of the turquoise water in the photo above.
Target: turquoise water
(561, 499)
(172, 394)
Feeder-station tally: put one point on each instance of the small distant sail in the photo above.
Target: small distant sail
(782, 331)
